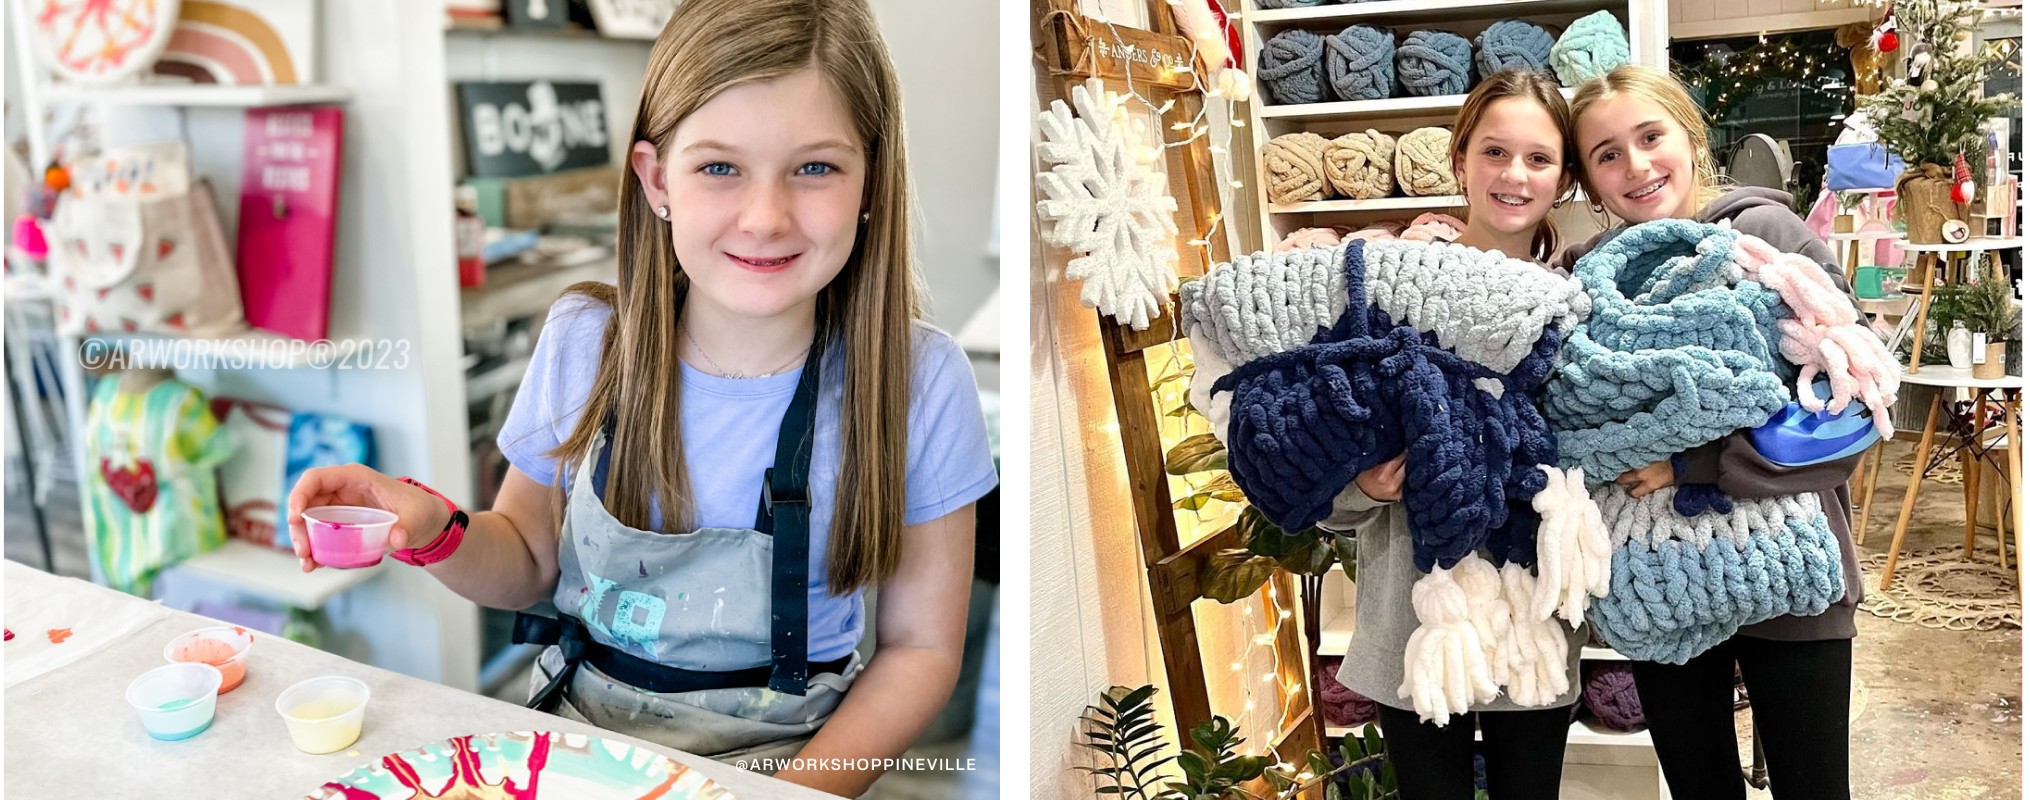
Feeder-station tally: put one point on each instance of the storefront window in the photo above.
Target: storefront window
(1795, 88)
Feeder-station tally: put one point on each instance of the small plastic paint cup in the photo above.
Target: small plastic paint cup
(324, 714)
(176, 701)
(225, 647)
(348, 537)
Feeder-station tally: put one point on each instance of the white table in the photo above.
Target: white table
(71, 734)
(2009, 390)
(1953, 271)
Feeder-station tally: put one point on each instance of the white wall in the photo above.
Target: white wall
(947, 54)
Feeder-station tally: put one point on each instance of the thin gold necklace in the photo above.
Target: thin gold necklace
(723, 372)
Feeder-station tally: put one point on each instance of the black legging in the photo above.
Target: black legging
(1798, 691)
(1525, 753)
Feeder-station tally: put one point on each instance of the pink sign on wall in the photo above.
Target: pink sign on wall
(288, 215)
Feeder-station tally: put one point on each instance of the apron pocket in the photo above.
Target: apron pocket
(720, 724)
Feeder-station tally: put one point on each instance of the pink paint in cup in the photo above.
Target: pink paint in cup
(348, 537)
(225, 647)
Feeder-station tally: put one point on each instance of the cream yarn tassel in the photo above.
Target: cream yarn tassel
(1574, 555)
(1446, 667)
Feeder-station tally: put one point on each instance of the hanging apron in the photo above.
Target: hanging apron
(695, 641)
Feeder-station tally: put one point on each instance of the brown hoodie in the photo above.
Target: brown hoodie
(1732, 462)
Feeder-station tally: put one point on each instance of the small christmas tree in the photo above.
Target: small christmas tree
(1936, 113)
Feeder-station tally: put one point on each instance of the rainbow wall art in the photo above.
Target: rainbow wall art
(243, 43)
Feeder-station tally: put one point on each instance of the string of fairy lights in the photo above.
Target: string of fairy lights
(1219, 139)
(1728, 79)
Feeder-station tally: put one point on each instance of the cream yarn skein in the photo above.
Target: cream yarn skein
(1294, 167)
(1424, 163)
(1362, 165)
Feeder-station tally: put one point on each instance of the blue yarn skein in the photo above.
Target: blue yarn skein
(1434, 63)
(1360, 63)
(1271, 4)
(1293, 67)
(1306, 421)
(1513, 44)
(1592, 46)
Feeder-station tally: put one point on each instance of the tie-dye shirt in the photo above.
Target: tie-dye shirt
(151, 496)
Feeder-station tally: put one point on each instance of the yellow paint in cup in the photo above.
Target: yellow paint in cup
(324, 715)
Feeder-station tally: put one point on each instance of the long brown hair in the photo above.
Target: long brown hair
(1670, 95)
(1531, 85)
(865, 315)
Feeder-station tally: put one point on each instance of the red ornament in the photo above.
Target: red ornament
(1962, 181)
(1884, 38)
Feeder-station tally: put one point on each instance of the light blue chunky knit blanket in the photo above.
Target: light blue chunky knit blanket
(1680, 350)
(1681, 585)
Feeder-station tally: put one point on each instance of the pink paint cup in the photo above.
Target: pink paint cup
(225, 647)
(348, 537)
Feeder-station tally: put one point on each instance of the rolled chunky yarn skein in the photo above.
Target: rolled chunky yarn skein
(1343, 707)
(1513, 44)
(1311, 237)
(1293, 67)
(1294, 166)
(1424, 163)
(1432, 63)
(1360, 63)
(1595, 44)
(1362, 165)
(1610, 696)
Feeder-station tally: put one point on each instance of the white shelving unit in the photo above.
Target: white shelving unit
(394, 223)
(1397, 115)
(1598, 762)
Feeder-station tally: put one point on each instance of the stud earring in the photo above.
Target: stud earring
(663, 211)
(866, 215)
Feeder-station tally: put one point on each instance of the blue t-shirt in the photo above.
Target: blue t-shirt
(729, 430)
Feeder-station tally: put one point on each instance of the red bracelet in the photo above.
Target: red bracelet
(446, 542)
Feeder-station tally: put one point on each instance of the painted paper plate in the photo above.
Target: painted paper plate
(523, 766)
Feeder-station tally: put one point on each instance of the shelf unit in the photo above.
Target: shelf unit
(1397, 115)
(394, 219)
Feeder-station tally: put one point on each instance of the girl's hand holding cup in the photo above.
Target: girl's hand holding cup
(419, 515)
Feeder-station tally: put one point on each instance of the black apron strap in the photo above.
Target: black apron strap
(577, 646)
(605, 458)
(786, 515)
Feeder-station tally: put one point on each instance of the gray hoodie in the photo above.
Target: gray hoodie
(1732, 462)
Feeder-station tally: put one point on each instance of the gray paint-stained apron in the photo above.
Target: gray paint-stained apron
(716, 606)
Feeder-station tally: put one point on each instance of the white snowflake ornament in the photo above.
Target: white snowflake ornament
(1101, 199)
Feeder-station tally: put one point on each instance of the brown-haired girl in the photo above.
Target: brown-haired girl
(1644, 156)
(1511, 153)
(712, 459)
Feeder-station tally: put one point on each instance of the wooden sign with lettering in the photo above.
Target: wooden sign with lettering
(1075, 44)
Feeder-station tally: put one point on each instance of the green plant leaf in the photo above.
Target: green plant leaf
(1195, 768)
(1347, 550)
(1318, 762)
(1192, 502)
(1314, 557)
(1195, 454)
(1242, 769)
(1230, 575)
